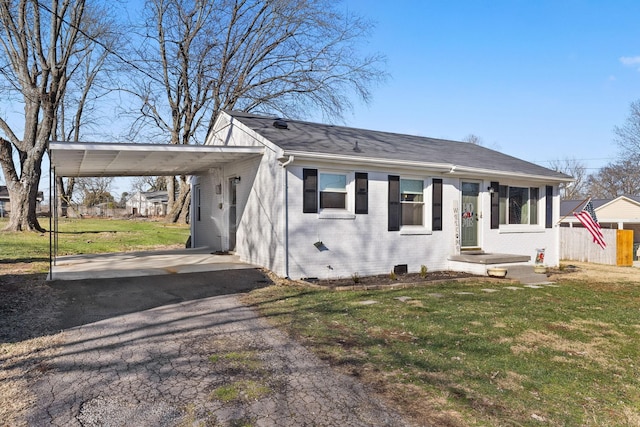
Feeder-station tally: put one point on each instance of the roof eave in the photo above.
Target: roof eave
(444, 168)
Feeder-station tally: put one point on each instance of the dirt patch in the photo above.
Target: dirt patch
(27, 307)
(582, 271)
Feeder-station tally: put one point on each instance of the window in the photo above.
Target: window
(339, 195)
(411, 201)
(333, 191)
(406, 209)
(518, 205)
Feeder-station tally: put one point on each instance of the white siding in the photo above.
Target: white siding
(363, 245)
(352, 244)
(618, 210)
(260, 238)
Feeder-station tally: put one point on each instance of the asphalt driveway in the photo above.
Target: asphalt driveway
(182, 350)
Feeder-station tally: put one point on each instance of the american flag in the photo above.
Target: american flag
(587, 216)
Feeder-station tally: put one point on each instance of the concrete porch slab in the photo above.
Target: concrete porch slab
(147, 263)
(489, 258)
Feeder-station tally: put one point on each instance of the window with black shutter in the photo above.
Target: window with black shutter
(548, 200)
(362, 193)
(495, 205)
(394, 203)
(436, 217)
(310, 189)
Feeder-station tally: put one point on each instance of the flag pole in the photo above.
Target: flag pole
(584, 202)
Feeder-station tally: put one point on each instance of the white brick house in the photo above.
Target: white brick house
(328, 201)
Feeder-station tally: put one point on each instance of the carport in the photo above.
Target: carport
(72, 159)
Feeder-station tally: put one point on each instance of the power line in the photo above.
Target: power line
(98, 42)
(562, 160)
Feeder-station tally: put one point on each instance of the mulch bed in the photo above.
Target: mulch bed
(386, 281)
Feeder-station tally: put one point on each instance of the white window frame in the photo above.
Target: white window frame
(427, 197)
(338, 213)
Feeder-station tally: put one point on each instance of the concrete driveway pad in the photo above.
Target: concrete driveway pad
(207, 360)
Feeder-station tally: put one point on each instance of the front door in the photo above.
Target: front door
(469, 218)
(233, 182)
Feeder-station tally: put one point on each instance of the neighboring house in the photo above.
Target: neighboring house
(148, 203)
(5, 203)
(328, 201)
(621, 213)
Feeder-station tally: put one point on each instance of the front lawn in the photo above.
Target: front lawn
(89, 236)
(478, 353)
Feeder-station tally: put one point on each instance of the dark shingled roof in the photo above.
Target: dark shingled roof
(339, 140)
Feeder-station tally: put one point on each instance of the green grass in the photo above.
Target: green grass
(243, 390)
(567, 355)
(89, 236)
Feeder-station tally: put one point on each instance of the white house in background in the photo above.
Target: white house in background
(148, 203)
(328, 201)
(620, 213)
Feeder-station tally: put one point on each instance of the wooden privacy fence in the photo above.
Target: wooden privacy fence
(576, 244)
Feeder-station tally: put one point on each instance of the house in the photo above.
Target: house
(5, 202)
(148, 203)
(322, 201)
(620, 213)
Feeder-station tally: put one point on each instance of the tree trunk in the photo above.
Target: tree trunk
(23, 195)
(22, 188)
(180, 211)
(64, 195)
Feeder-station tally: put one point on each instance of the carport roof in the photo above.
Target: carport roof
(72, 159)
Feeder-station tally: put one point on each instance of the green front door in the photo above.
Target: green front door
(469, 218)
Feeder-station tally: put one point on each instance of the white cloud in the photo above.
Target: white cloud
(630, 60)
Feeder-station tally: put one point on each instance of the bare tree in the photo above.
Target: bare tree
(149, 183)
(578, 171)
(628, 135)
(616, 179)
(473, 139)
(286, 56)
(80, 99)
(95, 190)
(40, 49)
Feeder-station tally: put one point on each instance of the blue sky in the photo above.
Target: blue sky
(539, 80)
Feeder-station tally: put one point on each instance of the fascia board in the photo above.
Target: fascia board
(447, 169)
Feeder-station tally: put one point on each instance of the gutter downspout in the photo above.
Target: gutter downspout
(286, 214)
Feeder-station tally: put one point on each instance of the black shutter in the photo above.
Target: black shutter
(362, 193)
(310, 195)
(436, 217)
(548, 201)
(394, 203)
(495, 205)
